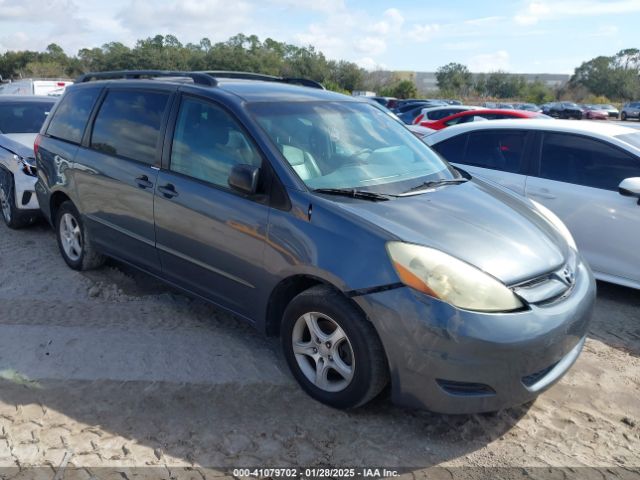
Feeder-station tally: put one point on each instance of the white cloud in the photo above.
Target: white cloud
(325, 6)
(370, 64)
(484, 21)
(606, 31)
(392, 22)
(538, 10)
(423, 33)
(219, 16)
(371, 46)
(489, 62)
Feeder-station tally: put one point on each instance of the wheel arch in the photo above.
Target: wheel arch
(57, 199)
(286, 290)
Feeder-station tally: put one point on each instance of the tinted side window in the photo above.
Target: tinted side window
(72, 114)
(128, 124)
(208, 143)
(452, 149)
(583, 161)
(502, 150)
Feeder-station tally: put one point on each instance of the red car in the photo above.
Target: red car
(593, 112)
(479, 115)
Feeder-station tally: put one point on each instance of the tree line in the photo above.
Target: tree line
(602, 78)
(238, 53)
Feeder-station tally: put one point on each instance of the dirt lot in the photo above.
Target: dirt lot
(113, 369)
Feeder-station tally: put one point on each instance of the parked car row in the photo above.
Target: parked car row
(322, 219)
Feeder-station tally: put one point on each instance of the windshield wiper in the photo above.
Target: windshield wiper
(432, 184)
(353, 193)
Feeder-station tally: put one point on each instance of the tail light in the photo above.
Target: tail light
(418, 119)
(61, 84)
(36, 145)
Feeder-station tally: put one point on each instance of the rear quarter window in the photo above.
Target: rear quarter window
(71, 116)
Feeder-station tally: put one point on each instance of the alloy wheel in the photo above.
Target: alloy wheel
(323, 352)
(71, 237)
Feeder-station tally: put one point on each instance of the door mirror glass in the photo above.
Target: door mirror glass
(244, 178)
(630, 187)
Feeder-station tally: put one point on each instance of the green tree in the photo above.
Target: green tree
(454, 79)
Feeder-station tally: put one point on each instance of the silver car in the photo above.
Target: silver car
(630, 110)
(587, 174)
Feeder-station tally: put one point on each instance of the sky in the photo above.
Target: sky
(520, 36)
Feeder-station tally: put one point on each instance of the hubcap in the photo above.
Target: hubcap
(323, 352)
(4, 203)
(70, 237)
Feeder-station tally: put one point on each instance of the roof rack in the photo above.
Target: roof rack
(305, 82)
(203, 78)
(197, 77)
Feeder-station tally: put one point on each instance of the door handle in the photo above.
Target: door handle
(143, 182)
(544, 193)
(169, 190)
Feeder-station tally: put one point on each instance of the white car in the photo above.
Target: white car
(34, 87)
(436, 113)
(587, 173)
(20, 120)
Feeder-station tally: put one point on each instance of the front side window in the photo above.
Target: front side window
(349, 145)
(128, 124)
(583, 161)
(208, 143)
(25, 117)
(502, 150)
(71, 116)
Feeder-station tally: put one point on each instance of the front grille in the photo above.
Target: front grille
(534, 378)
(465, 389)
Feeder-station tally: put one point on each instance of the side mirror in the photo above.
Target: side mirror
(244, 178)
(630, 187)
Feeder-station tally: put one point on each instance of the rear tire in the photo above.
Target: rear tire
(334, 353)
(12, 217)
(74, 240)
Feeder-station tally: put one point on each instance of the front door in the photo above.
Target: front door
(211, 239)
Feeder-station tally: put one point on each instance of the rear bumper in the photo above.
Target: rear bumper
(453, 361)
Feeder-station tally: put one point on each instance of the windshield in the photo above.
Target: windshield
(349, 145)
(25, 117)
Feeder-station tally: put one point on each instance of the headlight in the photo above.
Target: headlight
(28, 165)
(442, 276)
(553, 219)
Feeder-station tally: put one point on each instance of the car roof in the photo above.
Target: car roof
(27, 99)
(249, 90)
(598, 130)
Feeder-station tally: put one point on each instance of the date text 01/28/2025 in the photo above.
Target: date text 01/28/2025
(314, 473)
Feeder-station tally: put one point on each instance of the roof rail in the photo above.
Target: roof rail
(197, 77)
(203, 78)
(305, 82)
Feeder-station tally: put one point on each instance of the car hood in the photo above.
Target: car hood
(19, 143)
(477, 222)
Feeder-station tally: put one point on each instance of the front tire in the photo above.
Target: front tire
(623, 116)
(74, 240)
(12, 217)
(333, 352)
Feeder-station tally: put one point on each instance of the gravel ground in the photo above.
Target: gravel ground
(110, 370)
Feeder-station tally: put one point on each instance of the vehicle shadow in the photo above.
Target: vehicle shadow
(615, 320)
(147, 413)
